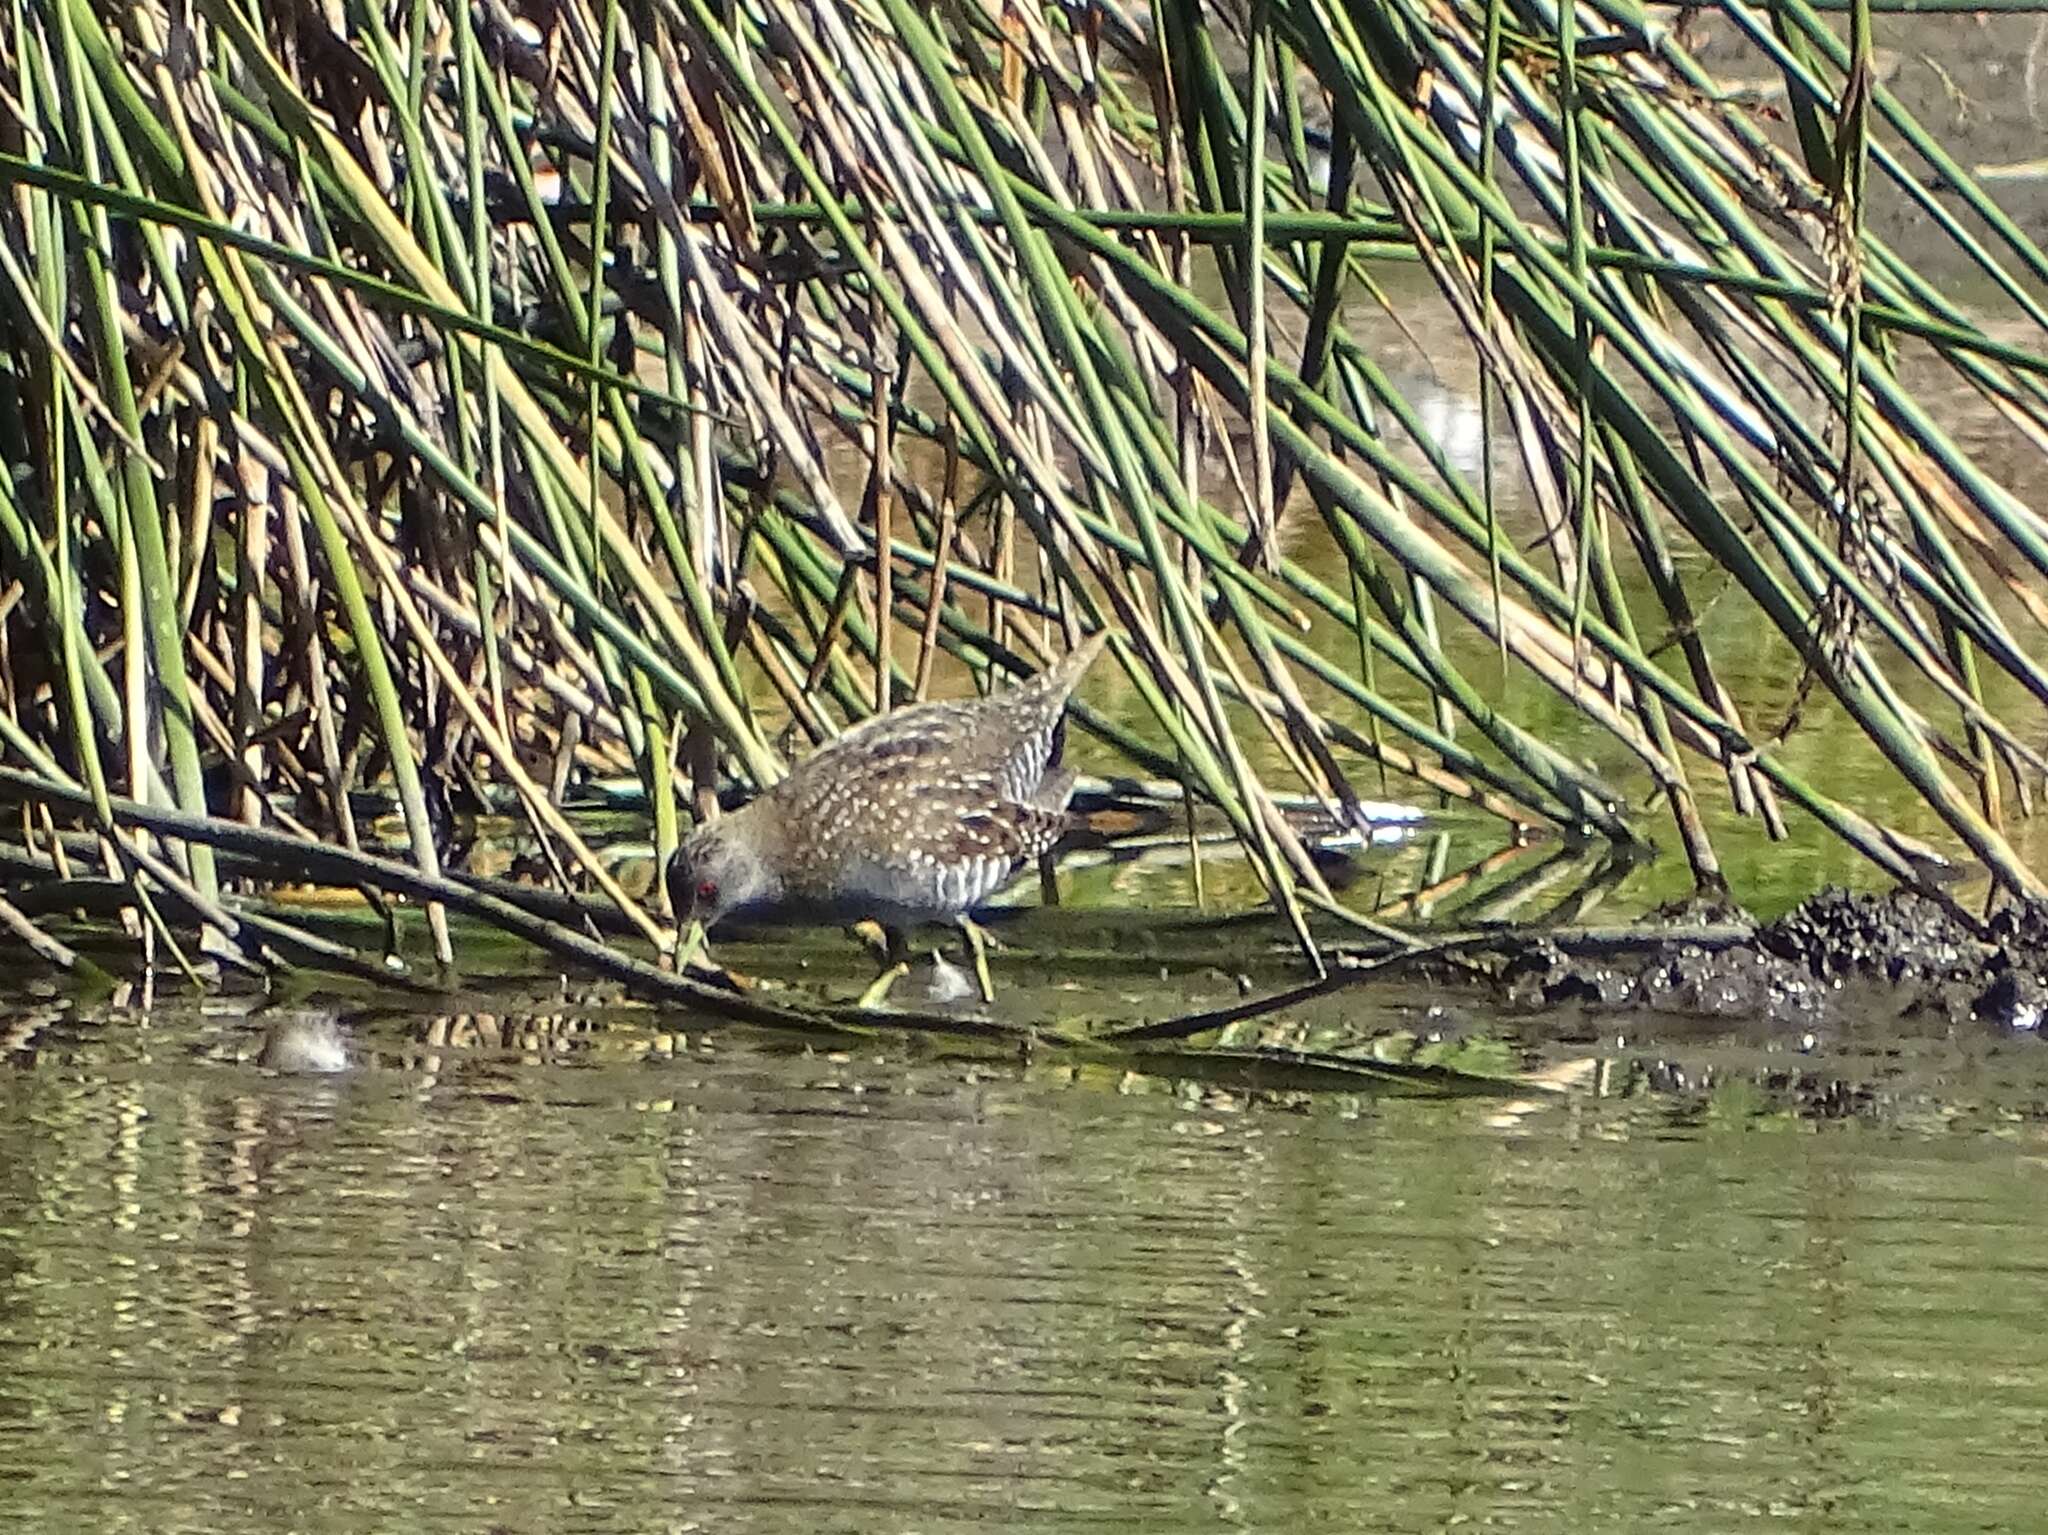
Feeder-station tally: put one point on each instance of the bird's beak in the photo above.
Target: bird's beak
(689, 945)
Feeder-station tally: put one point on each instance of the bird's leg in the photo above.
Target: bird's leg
(1048, 880)
(895, 949)
(977, 945)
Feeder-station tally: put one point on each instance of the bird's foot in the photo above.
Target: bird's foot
(878, 993)
(978, 944)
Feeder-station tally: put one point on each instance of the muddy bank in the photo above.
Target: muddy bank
(1900, 952)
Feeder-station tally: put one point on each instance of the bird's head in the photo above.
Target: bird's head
(715, 872)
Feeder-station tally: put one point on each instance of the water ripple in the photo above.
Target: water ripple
(762, 1290)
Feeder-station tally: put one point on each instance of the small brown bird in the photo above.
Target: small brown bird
(917, 816)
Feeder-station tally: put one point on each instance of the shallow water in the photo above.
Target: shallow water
(609, 1279)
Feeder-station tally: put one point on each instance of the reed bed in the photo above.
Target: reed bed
(462, 403)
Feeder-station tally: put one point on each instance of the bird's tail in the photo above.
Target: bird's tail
(1065, 674)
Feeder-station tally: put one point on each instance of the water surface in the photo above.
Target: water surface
(614, 1279)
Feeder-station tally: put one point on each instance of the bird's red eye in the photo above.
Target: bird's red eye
(707, 890)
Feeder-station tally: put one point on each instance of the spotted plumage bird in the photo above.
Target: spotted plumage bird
(915, 817)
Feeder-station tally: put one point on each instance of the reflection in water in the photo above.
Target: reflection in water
(736, 1288)
(1454, 421)
(304, 1042)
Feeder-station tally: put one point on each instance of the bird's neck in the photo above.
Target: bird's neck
(755, 826)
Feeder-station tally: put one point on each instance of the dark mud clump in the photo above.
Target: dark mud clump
(1902, 938)
(1835, 950)
(1660, 970)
